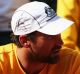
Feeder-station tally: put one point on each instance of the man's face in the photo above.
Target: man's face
(45, 48)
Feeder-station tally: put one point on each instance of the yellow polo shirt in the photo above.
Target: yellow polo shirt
(69, 62)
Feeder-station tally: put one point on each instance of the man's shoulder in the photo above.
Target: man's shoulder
(7, 57)
(69, 62)
(69, 51)
(70, 58)
(7, 48)
(7, 51)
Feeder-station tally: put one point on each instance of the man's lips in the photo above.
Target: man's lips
(56, 49)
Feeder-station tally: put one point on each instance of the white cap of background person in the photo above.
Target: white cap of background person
(37, 16)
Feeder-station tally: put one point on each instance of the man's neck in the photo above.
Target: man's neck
(27, 65)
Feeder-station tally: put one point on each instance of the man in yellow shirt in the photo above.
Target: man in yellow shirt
(36, 32)
(70, 9)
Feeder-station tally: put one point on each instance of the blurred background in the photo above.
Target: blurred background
(7, 8)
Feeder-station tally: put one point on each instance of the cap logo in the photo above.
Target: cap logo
(50, 12)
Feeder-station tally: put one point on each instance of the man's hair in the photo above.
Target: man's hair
(15, 38)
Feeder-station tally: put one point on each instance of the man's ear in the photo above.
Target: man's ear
(24, 40)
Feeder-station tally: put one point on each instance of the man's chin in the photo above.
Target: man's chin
(51, 59)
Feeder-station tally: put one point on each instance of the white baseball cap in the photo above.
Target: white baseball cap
(38, 16)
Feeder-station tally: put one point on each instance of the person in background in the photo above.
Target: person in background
(37, 43)
(70, 9)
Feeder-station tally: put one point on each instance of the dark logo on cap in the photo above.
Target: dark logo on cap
(50, 12)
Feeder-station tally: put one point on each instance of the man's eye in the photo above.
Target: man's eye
(50, 37)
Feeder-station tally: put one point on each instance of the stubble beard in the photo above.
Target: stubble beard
(51, 59)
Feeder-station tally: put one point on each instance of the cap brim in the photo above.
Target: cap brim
(55, 26)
